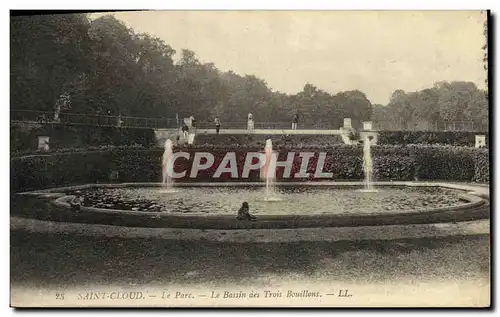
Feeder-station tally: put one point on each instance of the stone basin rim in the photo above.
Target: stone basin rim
(473, 200)
(463, 187)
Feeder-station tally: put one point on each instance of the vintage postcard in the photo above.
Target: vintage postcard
(250, 159)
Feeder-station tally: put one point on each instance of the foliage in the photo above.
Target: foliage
(433, 108)
(133, 74)
(48, 55)
(103, 67)
(485, 48)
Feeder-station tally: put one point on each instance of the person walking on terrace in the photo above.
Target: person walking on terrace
(250, 124)
(217, 124)
(295, 120)
(185, 130)
(193, 124)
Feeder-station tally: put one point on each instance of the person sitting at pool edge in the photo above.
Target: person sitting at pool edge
(77, 201)
(243, 213)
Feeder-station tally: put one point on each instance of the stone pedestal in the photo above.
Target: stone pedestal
(480, 140)
(190, 138)
(43, 143)
(367, 125)
(119, 121)
(347, 123)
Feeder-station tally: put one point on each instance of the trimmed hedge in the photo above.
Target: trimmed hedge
(449, 163)
(345, 162)
(481, 166)
(24, 138)
(259, 140)
(457, 138)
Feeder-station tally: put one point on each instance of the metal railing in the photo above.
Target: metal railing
(144, 122)
(92, 119)
(35, 116)
(244, 125)
(464, 126)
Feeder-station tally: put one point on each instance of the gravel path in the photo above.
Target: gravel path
(428, 270)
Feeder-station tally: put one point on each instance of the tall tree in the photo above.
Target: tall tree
(49, 55)
(485, 49)
(102, 66)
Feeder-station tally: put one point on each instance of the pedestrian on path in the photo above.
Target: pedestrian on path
(295, 121)
(250, 124)
(185, 130)
(193, 124)
(217, 125)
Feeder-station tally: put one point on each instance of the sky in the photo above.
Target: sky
(375, 52)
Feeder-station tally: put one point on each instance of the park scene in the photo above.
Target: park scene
(143, 173)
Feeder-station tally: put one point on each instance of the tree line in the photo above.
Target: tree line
(100, 66)
(445, 102)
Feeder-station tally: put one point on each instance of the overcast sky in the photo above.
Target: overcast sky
(375, 52)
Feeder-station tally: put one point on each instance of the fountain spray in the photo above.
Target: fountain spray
(167, 168)
(367, 165)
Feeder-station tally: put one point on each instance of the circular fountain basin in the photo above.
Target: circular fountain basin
(287, 200)
(215, 206)
(296, 205)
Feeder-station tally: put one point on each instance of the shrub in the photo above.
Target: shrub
(394, 168)
(444, 163)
